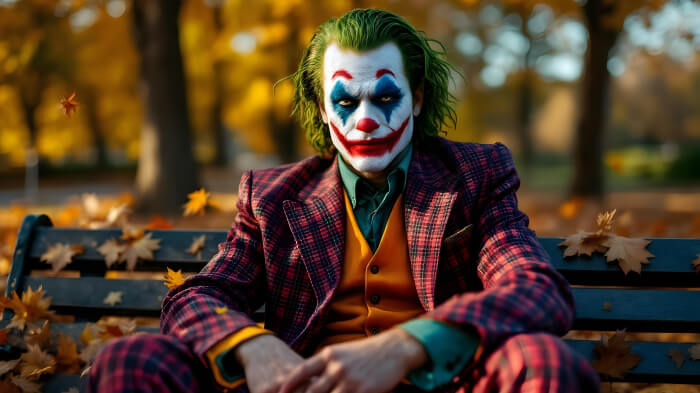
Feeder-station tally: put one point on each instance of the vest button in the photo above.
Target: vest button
(374, 269)
(374, 299)
(374, 331)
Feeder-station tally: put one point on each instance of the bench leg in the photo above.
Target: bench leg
(148, 363)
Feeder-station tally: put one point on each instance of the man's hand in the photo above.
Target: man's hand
(266, 360)
(372, 365)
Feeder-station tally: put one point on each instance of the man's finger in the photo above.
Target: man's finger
(310, 367)
(322, 384)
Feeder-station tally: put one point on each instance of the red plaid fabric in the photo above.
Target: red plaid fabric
(285, 250)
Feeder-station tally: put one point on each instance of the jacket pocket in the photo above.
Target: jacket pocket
(457, 236)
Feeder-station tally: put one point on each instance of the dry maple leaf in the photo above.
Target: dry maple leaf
(142, 248)
(113, 298)
(197, 202)
(67, 360)
(7, 366)
(173, 279)
(158, 222)
(6, 385)
(35, 363)
(694, 352)
(583, 243)
(676, 356)
(115, 327)
(629, 253)
(607, 306)
(25, 385)
(613, 356)
(604, 222)
(30, 308)
(90, 350)
(40, 336)
(112, 251)
(69, 104)
(197, 245)
(90, 332)
(59, 255)
(131, 233)
(696, 264)
(116, 217)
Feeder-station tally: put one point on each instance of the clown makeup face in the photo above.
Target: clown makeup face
(368, 105)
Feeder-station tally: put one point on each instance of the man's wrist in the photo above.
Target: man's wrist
(247, 349)
(411, 350)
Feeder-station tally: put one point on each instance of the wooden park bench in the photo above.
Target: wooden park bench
(664, 298)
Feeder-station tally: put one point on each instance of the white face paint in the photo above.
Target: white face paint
(367, 104)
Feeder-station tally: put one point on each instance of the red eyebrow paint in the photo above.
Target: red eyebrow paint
(384, 71)
(342, 73)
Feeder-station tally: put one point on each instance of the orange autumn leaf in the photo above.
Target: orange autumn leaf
(158, 222)
(630, 253)
(31, 307)
(571, 208)
(35, 362)
(613, 356)
(67, 360)
(69, 104)
(115, 327)
(196, 203)
(221, 310)
(604, 221)
(40, 336)
(173, 279)
(59, 255)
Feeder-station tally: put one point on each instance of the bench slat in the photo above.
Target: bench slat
(637, 309)
(670, 268)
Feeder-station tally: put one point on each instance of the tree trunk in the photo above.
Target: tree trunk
(588, 179)
(166, 170)
(217, 124)
(95, 126)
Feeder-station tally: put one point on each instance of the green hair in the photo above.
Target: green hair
(366, 29)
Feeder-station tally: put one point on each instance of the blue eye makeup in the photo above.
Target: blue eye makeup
(387, 96)
(343, 102)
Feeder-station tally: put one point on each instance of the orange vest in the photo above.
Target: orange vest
(376, 291)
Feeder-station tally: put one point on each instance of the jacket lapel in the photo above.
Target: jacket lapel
(317, 224)
(429, 198)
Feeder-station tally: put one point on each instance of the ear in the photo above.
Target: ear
(418, 100)
(324, 116)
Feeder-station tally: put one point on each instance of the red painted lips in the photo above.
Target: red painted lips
(371, 147)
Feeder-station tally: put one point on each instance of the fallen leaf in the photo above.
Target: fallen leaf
(607, 306)
(142, 248)
(116, 217)
(694, 352)
(67, 360)
(115, 327)
(173, 279)
(677, 356)
(7, 366)
(35, 363)
(197, 202)
(696, 264)
(90, 332)
(6, 386)
(40, 336)
(158, 222)
(613, 356)
(583, 243)
(197, 245)
(69, 104)
(113, 298)
(112, 251)
(221, 310)
(31, 307)
(59, 255)
(604, 221)
(90, 350)
(25, 385)
(629, 253)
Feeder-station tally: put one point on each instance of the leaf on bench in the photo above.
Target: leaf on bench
(40, 336)
(113, 298)
(111, 250)
(613, 356)
(24, 385)
(677, 356)
(59, 255)
(694, 352)
(629, 253)
(197, 245)
(31, 307)
(35, 362)
(173, 279)
(67, 360)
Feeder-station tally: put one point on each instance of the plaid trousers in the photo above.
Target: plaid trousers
(528, 362)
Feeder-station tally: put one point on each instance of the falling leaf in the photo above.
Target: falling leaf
(677, 356)
(69, 104)
(59, 255)
(197, 202)
(112, 251)
(607, 306)
(173, 279)
(113, 298)
(696, 264)
(158, 222)
(613, 356)
(30, 308)
(36, 362)
(583, 243)
(197, 245)
(25, 385)
(571, 208)
(629, 253)
(7, 366)
(221, 310)
(694, 352)
(40, 336)
(67, 360)
(142, 248)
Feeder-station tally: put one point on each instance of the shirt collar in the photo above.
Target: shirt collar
(351, 179)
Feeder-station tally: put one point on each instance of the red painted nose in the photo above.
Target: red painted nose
(367, 125)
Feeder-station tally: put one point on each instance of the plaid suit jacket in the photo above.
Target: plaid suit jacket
(474, 261)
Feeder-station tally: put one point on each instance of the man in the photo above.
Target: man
(400, 263)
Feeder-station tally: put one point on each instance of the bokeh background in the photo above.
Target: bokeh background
(598, 99)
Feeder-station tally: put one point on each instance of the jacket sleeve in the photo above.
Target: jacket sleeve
(522, 290)
(232, 279)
